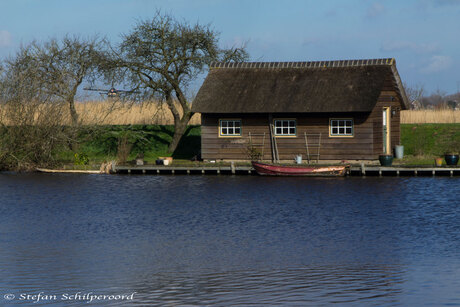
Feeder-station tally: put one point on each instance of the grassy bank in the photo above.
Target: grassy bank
(422, 143)
(106, 143)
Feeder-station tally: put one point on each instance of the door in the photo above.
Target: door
(386, 130)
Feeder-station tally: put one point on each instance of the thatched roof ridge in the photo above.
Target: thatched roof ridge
(311, 64)
(295, 87)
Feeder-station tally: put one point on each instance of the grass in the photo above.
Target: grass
(118, 113)
(425, 142)
(430, 117)
(430, 139)
(102, 144)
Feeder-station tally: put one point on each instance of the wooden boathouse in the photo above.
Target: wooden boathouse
(324, 110)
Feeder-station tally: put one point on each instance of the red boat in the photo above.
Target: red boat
(284, 170)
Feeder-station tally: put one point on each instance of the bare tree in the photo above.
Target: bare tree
(162, 56)
(30, 123)
(63, 65)
(415, 94)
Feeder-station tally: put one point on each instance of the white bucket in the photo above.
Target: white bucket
(298, 159)
(165, 162)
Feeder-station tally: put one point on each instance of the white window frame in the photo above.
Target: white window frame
(281, 124)
(337, 124)
(228, 128)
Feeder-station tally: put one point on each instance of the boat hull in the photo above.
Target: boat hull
(283, 170)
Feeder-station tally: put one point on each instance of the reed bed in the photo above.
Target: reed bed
(430, 117)
(118, 113)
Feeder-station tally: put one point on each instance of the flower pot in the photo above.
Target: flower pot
(399, 151)
(386, 160)
(438, 162)
(451, 159)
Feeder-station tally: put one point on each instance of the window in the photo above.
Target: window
(285, 127)
(341, 127)
(230, 127)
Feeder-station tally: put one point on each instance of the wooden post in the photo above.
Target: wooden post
(232, 166)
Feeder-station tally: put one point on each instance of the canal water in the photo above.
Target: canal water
(228, 240)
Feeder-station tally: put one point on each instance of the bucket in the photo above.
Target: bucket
(399, 151)
(438, 161)
(166, 162)
(298, 159)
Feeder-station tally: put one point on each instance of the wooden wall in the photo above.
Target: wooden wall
(366, 144)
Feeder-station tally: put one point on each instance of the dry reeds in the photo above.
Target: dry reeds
(430, 117)
(118, 113)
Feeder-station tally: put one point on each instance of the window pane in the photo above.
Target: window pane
(292, 123)
(238, 123)
(348, 130)
(291, 130)
(349, 123)
(237, 130)
(285, 130)
(223, 123)
(224, 131)
(335, 130)
(278, 130)
(341, 130)
(333, 123)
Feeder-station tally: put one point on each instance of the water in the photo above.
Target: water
(229, 240)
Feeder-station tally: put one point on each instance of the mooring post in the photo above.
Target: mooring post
(232, 165)
(158, 171)
(451, 173)
(363, 169)
(188, 172)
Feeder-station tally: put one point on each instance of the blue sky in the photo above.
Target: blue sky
(423, 35)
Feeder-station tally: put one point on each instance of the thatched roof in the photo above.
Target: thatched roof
(292, 87)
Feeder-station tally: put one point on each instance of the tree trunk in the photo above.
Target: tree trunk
(179, 129)
(73, 112)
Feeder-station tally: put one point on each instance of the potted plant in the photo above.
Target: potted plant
(386, 160)
(451, 156)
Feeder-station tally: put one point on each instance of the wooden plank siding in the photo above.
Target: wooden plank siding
(366, 143)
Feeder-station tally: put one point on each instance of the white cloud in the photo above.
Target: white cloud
(394, 46)
(5, 38)
(375, 9)
(437, 63)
